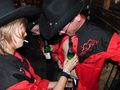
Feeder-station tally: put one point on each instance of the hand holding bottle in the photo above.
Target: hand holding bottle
(69, 65)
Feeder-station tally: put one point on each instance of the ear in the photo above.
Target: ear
(78, 18)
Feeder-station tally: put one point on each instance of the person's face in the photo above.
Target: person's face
(35, 30)
(19, 35)
(71, 28)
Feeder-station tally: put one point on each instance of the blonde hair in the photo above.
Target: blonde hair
(6, 33)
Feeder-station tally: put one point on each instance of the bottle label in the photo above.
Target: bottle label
(47, 55)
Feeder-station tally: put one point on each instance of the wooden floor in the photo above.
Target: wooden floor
(108, 76)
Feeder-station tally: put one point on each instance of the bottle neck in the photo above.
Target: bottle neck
(70, 43)
(46, 43)
(70, 53)
(46, 47)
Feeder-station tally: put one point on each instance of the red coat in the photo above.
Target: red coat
(89, 70)
(19, 82)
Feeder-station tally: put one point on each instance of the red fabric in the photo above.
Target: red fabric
(88, 72)
(55, 50)
(60, 51)
(39, 84)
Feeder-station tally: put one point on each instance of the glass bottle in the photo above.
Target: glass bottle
(47, 52)
(70, 53)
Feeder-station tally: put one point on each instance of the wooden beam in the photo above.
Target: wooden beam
(106, 4)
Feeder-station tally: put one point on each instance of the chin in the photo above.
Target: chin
(19, 46)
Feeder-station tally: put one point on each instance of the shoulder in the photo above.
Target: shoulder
(9, 66)
(91, 28)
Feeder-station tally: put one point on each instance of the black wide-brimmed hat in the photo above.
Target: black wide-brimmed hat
(9, 11)
(56, 14)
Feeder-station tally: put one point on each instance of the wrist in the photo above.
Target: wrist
(66, 71)
(65, 74)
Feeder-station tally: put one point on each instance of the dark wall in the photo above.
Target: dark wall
(107, 11)
(30, 2)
